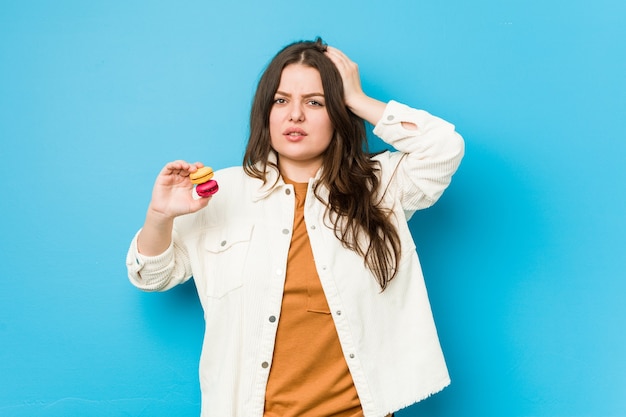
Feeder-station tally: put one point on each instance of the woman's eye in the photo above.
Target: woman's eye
(279, 101)
(315, 103)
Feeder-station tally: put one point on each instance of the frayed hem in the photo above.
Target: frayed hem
(438, 388)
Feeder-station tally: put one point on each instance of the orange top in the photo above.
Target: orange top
(309, 376)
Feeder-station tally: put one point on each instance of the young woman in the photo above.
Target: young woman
(314, 299)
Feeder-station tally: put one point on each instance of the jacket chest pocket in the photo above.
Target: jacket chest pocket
(225, 256)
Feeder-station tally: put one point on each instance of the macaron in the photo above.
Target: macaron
(207, 189)
(201, 175)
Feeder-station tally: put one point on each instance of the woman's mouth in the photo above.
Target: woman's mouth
(294, 134)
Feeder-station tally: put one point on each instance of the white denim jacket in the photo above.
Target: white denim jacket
(236, 251)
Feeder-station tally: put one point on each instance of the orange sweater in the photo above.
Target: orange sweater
(309, 375)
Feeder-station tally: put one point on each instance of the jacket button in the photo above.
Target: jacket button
(390, 117)
(264, 365)
(223, 243)
(287, 191)
(339, 312)
(352, 356)
(285, 231)
(272, 319)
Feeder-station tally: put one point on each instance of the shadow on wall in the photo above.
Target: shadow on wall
(484, 238)
(174, 316)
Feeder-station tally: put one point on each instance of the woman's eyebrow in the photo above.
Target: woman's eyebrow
(282, 93)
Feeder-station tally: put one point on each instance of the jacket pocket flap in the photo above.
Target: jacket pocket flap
(229, 236)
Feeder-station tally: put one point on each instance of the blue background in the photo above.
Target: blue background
(523, 256)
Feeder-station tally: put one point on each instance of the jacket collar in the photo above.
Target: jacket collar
(275, 180)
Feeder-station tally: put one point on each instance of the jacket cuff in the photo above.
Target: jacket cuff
(389, 127)
(145, 271)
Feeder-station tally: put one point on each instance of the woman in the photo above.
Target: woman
(314, 299)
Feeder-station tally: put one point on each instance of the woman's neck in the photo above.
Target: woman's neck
(298, 173)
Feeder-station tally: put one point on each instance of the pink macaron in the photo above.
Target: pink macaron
(207, 189)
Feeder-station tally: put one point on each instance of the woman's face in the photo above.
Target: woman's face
(300, 128)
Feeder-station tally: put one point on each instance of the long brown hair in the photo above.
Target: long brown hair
(348, 171)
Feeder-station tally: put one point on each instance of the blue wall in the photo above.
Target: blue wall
(523, 256)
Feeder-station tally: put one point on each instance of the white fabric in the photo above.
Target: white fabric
(236, 250)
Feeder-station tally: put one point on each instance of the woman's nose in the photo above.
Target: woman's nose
(296, 114)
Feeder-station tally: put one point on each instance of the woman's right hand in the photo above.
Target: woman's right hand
(172, 193)
(171, 197)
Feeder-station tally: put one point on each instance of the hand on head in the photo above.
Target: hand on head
(349, 72)
(367, 108)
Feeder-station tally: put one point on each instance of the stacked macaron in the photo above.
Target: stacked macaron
(205, 186)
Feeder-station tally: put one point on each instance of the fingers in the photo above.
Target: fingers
(344, 64)
(336, 54)
(199, 203)
(349, 72)
(181, 168)
(172, 191)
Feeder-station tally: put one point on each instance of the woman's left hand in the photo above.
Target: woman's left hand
(349, 71)
(355, 99)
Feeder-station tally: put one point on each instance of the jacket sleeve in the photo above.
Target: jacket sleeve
(161, 272)
(427, 157)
